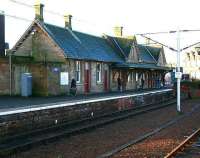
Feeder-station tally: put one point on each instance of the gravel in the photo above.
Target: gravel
(162, 143)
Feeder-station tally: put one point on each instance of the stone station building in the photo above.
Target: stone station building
(55, 55)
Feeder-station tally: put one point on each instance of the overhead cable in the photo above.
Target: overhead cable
(159, 43)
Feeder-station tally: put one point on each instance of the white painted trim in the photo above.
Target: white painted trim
(65, 104)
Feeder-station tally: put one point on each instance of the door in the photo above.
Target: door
(87, 78)
(106, 80)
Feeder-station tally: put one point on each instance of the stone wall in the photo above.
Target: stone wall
(39, 79)
(46, 77)
(17, 71)
(14, 124)
(95, 86)
(54, 87)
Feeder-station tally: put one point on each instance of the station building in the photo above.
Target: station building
(192, 63)
(55, 55)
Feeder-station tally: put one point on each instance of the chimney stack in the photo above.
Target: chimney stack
(39, 11)
(68, 21)
(118, 31)
(2, 34)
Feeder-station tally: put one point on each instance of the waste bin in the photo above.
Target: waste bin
(26, 84)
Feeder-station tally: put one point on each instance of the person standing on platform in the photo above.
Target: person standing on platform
(73, 87)
(142, 83)
(119, 84)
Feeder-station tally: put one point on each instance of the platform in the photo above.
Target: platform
(18, 115)
(14, 105)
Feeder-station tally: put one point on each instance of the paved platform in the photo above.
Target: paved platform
(12, 105)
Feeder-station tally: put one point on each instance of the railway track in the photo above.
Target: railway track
(116, 150)
(189, 148)
(28, 139)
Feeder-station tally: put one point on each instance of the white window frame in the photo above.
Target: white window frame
(130, 77)
(136, 76)
(78, 71)
(99, 73)
(143, 76)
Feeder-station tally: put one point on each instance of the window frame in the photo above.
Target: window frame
(136, 76)
(99, 73)
(78, 71)
(130, 77)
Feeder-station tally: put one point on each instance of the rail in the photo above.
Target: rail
(182, 146)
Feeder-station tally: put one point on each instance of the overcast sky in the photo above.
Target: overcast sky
(100, 16)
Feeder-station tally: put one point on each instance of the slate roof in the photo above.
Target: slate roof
(123, 45)
(147, 54)
(77, 45)
(155, 51)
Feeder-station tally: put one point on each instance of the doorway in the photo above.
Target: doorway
(87, 78)
(106, 80)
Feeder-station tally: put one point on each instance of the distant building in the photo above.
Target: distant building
(192, 63)
(56, 55)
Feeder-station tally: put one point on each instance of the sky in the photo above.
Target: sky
(100, 16)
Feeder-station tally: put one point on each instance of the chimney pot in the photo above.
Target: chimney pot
(39, 11)
(68, 21)
(118, 31)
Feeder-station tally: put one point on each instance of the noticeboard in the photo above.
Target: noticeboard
(64, 78)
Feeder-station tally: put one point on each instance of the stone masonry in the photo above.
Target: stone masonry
(19, 123)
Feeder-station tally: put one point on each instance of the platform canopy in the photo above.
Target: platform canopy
(140, 66)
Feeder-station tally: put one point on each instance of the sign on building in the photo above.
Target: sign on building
(178, 75)
(64, 78)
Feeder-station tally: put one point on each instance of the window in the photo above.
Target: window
(78, 71)
(98, 68)
(143, 76)
(136, 77)
(130, 76)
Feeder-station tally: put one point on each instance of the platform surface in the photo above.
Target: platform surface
(12, 105)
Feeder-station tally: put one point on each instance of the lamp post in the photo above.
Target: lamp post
(178, 73)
